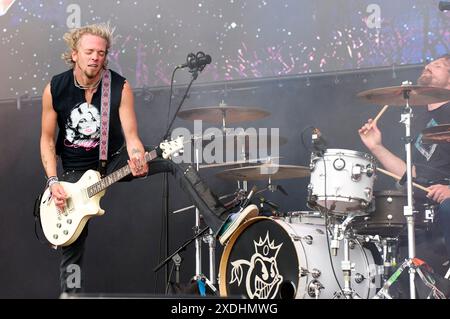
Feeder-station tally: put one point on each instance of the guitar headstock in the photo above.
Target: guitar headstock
(172, 148)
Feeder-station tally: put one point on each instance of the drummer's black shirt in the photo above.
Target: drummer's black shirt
(432, 161)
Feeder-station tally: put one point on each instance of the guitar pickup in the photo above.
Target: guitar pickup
(69, 204)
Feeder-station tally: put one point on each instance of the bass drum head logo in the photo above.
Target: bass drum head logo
(261, 259)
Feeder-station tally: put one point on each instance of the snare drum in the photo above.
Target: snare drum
(342, 181)
(270, 258)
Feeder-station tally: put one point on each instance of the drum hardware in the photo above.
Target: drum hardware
(208, 238)
(389, 254)
(305, 217)
(198, 240)
(314, 289)
(177, 260)
(342, 232)
(429, 212)
(425, 275)
(388, 248)
(339, 232)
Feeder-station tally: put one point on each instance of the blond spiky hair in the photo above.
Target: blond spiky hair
(73, 37)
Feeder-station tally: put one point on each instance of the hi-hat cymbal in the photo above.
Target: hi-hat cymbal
(395, 95)
(246, 140)
(264, 172)
(219, 114)
(436, 134)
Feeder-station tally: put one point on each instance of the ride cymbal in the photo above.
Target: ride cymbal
(396, 95)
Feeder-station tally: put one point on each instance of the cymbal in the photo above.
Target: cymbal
(264, 172)
(243, 139)
(242, 162)
(217, 114)
(436, 134)
(394, 96)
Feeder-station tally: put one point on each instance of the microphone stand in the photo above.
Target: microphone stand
(180, 249)
(165, 186)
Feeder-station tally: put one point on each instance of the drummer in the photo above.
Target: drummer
(431, 161)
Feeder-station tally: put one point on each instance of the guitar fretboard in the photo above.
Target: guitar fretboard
(115, 176)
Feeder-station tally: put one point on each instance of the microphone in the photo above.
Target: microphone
(444, 5)
(249, 197)
(318, 142)
(196, 61)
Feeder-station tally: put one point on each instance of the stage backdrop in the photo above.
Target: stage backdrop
(246, 39)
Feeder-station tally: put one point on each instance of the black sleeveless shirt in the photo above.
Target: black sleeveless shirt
(79, 123)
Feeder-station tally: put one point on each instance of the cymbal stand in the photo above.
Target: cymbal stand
(388, 249)
(411, 263)
(408, 210)
(208, 238)
(224, 116)
(198, 240)
(389, 255)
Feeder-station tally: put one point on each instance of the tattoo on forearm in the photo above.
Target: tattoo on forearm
(135, 151)
(52, 152)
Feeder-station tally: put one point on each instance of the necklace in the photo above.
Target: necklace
(86, 87)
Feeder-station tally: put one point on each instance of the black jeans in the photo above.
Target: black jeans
(213, 211)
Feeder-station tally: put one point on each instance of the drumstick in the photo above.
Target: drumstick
(378, 116)
(380, 113)
(399, 178)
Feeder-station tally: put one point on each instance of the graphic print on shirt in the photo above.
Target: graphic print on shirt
(83, 127)
(426, 150)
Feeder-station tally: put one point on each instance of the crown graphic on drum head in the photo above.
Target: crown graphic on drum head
(267, 248)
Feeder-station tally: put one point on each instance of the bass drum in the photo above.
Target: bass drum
(270, 258)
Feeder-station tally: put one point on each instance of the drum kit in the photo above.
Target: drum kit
(346, 245)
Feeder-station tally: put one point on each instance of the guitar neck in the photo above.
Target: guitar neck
(110, 179)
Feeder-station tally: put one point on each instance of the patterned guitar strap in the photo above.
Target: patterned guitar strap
(104, 124)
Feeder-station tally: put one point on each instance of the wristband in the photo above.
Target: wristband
(52, 180)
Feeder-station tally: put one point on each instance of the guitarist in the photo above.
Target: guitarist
(71, 102)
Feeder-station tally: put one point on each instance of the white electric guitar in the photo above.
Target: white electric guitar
(62, 227)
